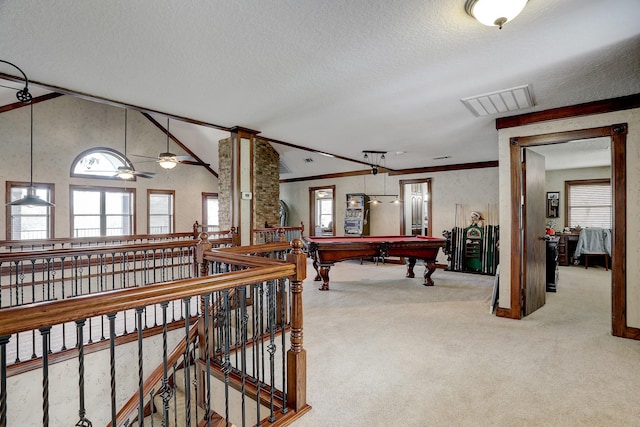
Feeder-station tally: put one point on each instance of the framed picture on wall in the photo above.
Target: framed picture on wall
(553, 204)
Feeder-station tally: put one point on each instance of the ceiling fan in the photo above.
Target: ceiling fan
(125, 172)
(168, 160)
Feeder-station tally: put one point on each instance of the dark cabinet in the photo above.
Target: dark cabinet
(552, 263)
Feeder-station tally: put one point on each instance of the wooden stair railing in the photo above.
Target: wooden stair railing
(40, 316)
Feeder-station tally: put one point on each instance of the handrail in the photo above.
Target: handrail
(38, 315)
(95, 240)
(69, 252)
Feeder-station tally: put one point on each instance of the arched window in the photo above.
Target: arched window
(100, 162)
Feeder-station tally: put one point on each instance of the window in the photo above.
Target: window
(325, 214)
(161, 211)
(322, 210)
(589, 203)
(29, 222)
(210, 209)
(101, 162)
(99, 211)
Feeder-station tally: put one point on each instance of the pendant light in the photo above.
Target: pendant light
(23, 95)
(31, 199)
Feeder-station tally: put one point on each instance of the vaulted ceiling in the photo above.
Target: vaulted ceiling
(331, 76)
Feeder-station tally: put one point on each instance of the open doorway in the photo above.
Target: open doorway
(322, 209)
(617, 134)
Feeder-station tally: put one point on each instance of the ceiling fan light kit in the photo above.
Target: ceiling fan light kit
(494, 12)
(167, 160)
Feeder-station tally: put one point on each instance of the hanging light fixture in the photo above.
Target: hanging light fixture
(494, 12)
(31, 198)
(374, 158)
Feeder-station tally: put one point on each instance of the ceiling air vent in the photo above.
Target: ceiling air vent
(283, 168)
(516, 98)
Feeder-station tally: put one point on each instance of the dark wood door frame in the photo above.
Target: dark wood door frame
(618, 135)
(402, 183)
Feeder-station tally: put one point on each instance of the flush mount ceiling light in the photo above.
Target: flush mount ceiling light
(494, 12)
(31, 198)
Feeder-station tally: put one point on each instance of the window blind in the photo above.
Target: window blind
(589, 205)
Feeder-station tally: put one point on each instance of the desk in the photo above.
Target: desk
(566, 247)
(326, 251)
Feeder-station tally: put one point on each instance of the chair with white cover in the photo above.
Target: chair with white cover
(594, 241)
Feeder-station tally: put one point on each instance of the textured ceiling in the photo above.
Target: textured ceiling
(334, 76)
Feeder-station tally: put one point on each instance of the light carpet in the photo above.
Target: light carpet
(384, 350)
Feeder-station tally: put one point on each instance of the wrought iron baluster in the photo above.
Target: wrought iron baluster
(45, 332)
(3, 380)
(17, 348)
(89, 274)
(33, 345)
(113, 270)
(257, 313)
(46, 271)
(207, 328)
(140, 368)
(83, 422)
(187, 363)
(271, 348)
(244, 333)
(175, 395)
(165, 390)
(20, 284)
(135, 281)
(33, 280)
(262, 332)
(155, 266)
(75, 275)
(145, 269)
(112, 364)
(152, 406)
(283, 326)
(226, 366)
(62, 281)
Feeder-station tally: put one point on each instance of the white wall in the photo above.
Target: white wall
(475, 188)
(632, 118)
(66, 126)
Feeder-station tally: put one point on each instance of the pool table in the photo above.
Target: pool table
(326, 251)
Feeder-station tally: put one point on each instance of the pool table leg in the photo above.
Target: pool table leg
(410, 265)
(324, 274)
(315, 266)
(430, 267)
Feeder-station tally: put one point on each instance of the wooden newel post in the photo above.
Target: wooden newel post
(203, 246)
(297, 355)
(235, 237)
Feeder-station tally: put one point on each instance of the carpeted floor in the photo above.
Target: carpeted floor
(386, 351)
